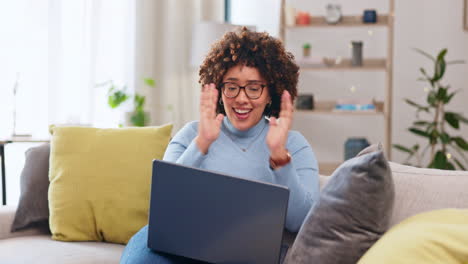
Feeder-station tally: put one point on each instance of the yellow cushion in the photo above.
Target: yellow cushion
(100, 181)
(435, 237)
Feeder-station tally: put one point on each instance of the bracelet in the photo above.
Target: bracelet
(275, 164)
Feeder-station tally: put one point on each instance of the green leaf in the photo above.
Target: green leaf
(441, 94)
(139, 101)
(421, 123)
(150, 82)
(440, 66)
(439, 161)
(449, 166)
(449, 97)
(423, 71)
(403, 148)
(461, 118)
(445, 138)
(461, 143)
(139, 118)
(419, 132)
(424, 54)
(456, 62)
(116, 98)
(442, 54)
(460, 165)
(420, 107)
(452, 119)
(431, 98)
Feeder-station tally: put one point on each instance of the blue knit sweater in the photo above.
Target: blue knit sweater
(225, 155)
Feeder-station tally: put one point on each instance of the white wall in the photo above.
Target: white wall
(438, 25)
(263, 14)
(429, 25)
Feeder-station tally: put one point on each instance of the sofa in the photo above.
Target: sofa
(416, 190)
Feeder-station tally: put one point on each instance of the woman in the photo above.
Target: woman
(246, 77)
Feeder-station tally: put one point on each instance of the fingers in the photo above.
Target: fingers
(286, 111)
(214, 95)
(219, 119)
(273, 121)
(208, 101)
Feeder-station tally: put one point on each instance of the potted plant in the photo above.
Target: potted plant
(306, 49)
(433, 127)
(116, 96)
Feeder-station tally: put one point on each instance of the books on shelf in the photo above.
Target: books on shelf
(353, 105)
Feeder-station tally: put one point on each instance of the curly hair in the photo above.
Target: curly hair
(252, 49)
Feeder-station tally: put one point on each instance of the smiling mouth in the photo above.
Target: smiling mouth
(242, 113)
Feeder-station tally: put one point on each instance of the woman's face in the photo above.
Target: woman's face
(242, 111)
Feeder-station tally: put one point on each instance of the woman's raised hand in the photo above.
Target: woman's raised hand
(210, 123)
(278, 133)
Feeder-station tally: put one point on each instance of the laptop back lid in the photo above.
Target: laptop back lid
(215, 218)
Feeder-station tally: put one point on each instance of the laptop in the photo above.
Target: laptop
(215, 218)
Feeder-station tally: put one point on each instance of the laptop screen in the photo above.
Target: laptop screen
(213, 217)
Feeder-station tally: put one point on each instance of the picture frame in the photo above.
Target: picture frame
(465, 15)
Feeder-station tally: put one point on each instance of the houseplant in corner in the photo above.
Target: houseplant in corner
(116, 96)
(446, 151)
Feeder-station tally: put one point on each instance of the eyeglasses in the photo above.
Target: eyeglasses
(232, 90)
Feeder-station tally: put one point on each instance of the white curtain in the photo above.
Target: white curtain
(163, 45)
(55, 52)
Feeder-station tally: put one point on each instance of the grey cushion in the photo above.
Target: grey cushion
(353, 211)
(33, 209)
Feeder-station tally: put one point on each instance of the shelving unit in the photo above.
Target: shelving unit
(327, 107)
(345, 65)
(346, 21)
(383, 108)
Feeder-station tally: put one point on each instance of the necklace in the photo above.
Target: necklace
(250, 144)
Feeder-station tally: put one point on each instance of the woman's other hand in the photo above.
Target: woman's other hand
(210, 123)
(278, 132)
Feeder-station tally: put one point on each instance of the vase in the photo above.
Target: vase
(356, 57)
(353, 146)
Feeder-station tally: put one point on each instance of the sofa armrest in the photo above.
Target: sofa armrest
(7, 215)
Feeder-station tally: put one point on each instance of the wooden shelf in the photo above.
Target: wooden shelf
(373, 64)
(383, 64)
(328, 108)
(346, 21)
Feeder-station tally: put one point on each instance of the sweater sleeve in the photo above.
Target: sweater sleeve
(301, 177)
(182, 149)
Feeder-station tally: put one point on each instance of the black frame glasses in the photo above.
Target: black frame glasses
(223, 86)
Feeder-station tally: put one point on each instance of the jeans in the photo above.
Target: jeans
(137, 252)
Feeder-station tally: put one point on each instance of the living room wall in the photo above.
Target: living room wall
(428, 25)
(431, 26)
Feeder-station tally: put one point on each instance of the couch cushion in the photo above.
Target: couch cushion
(438, 236)
(420, 190)
(42, 249)
(100, 181)
(352, 213)
(7, 214)
(33, 206)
